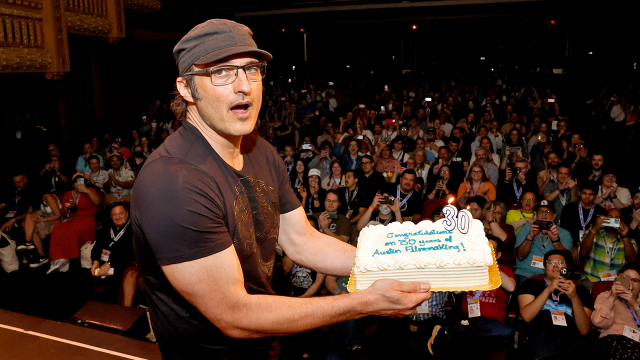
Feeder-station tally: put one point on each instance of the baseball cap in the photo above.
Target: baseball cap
(545, 204)
(213, 40)
(431, 129)
(315, 172)
(116, 154)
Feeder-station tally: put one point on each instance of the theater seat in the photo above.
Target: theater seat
(600, 286)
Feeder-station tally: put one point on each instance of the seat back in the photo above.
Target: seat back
(599, 287)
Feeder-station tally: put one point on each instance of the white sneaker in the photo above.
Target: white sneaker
(25, 246)
(60, 265)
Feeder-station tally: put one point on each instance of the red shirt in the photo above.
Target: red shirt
(493, 304)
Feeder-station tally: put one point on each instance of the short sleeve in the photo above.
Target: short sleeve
(566, 239)
(513, 215)
(286, 196)
(343, 227)
(550, 187)
(585, 297)
(624, 196)
(188, 218)
(530, 287)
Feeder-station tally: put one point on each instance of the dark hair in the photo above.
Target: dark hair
(325, 144)
(568, 167)
(446, 148)
(357, 173)
(454, 139)
(410, 172)
(590, 185)
(178, 103)
(334, 192)
(93, 157)
(564, 253)
(436, 211)
(480, 200)
(115, 204)
(490, 143)
(546, 156)
(499, 243)
(630, 266)
(368, 157)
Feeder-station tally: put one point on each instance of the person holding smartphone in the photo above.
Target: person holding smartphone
(384, 209)
(607, 248)
(556, 311)
(616, 314)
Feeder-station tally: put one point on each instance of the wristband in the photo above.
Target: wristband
(591, 231)
(636, 308)
(555, 242)
(335, 291)
(527, 238)
(615, 196)
(370, 209)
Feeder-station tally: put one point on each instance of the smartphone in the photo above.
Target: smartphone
(333, 215)
(427, 99)
(283, 98)
(390, 106)
(624, 281)
(386, 88)
(514, 149)
(551, 100)
(306, 146)
(80, 181)
(381, 108)
(543, 225)
(566, 273)
(554, 125)
(303, 91)
(361, 106)
(360, 137)
(289, 80)
(331, 83)
(611, 222)
(388, 200)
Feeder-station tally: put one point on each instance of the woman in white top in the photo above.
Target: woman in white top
(422, 167)
(361, 130)
(492, 157)
(335, 179)
(389, 132)
(39, 225)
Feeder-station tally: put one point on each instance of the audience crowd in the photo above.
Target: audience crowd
(558, 204)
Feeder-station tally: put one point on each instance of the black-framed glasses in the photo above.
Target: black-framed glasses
(365, 163)
(227, 74)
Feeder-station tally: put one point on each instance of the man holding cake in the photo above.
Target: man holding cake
(209, 206)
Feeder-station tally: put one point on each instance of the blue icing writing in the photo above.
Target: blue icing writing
(448, 239)
(425, 242)
(419, 233)
(387, 252)
(431, 248)
(390, 243)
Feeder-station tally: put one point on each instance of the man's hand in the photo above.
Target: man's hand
(94, 267)
(553, 233)
(395, 207)
(534, 230)
(508, 174)
(599, 223)
(555, 284)
(636, 216)
(323, 220)
(104, 269)
(490, 215)
(376, 201)
(112, 176)
(569, 288)
(395, 298)
(7, 226)
(302, 191)
(571, 183)
(623, 229)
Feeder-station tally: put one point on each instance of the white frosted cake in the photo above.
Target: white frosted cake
(424, 252)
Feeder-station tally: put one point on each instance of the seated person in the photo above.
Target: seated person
(615, 313)
(353, 200)
(608, 249)
(335, 179)
(563, 191)
(494, 224)
(532, 243)
(120, 180)
(557, 313)
(476, 184)
(312, 197)
(410, 201)
(378, 213)
(112, 255)
(304, 282)
(97, 176)
(440, 187)
(52, 176)
(77, 229)
(437, 214)
(15, 205)
(40, 224)
(517, 218)
(612, 196)
(485, 314)
(338, 226)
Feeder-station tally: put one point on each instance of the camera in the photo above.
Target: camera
(515, 170)
(427, 99)
(514, 149)
(388, 200)
(551, 100)
(333, 215)
(543, 225)
(306, 146)
(611, 222)
(441, 180)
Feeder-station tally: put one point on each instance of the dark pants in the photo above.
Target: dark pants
(481, 337)
(549, 347)
(343, 336)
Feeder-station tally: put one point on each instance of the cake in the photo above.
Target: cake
(426, 252)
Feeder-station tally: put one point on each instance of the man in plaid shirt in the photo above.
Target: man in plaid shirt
(608, 248)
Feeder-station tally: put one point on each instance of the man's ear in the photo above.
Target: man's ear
(184, 90)
(498, 255)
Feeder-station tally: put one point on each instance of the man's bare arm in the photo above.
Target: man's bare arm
(215, 286)
(310, 248)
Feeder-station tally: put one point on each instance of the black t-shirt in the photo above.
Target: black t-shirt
(121, 252)
(507, 190)
(352, 200)
(570, 219)
(371, 184)
(412, 207)
(189, 204)
(19, 201)
(543, 323)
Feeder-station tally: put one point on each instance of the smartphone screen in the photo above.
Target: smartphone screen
(554, 125)
(427, 99)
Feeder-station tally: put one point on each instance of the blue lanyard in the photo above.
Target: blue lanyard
(633, 313)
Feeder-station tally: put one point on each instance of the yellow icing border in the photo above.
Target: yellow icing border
(494, 280)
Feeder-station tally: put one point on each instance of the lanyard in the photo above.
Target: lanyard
(76, 199)
(386, 222)
(634, 316)
(350, 198)
(544, 238)
(289, 166)
(555, 297)
(475, 193)
(403, 203)
(334, 180)
(563, 197)
(17, 197)
(584, 223)
(553, 176)
(116, 238)
(611, 249)
(476, 295)
(400, 157)
(516, 190)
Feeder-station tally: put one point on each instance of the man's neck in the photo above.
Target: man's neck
(527, 211)
(353, 156)
(586, 206)
(597, 172)
(369, 173)
(352, 188)
(228, 147)
(405, 192)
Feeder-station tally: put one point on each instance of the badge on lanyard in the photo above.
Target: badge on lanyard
(581, 235)
(423, 308)
(558, 318)
(11, 214)
(537, 262)
(105, 255)
(473, 304)
(631, 333)
(349, 214)
(607, 275)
